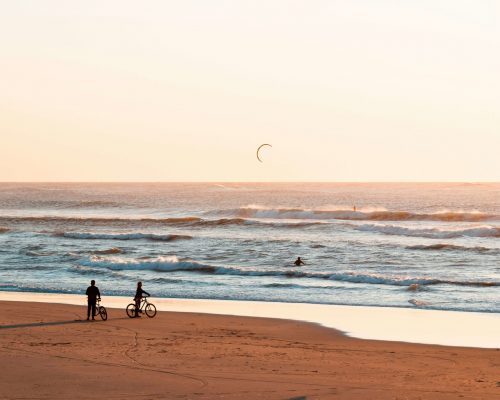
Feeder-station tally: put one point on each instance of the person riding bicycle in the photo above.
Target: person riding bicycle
(92, 295)
(138, 297)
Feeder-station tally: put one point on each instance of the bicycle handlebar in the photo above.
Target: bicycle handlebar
(143, 297)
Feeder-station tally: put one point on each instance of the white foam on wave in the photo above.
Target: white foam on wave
(361, 214)
(162, 263)
(173, 263)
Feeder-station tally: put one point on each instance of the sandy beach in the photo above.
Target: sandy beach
(52, 352)
(302, 197)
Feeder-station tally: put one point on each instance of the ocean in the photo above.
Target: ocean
(415, 245)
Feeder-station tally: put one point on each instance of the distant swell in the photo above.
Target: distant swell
(33, 253)
(295, 286)
(172, 263)
(446, 246)
(183, 221)
(88, 204)
(242, 221)
(97, 220)
(433, 233)
(121, 236)
(346, 214)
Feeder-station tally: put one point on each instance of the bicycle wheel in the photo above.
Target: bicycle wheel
(131, 310)
(150, 310)
(103, 313)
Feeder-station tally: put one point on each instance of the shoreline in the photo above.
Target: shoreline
(53, 353)
(429, 327)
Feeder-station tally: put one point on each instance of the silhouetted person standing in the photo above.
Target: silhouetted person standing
(298, 262)
(92, 295)
(138, 297)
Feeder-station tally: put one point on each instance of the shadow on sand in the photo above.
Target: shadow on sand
(55, 323)
(35, 324)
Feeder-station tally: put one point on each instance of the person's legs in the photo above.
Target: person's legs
(89, 306)
(93, 310)
(137, 306)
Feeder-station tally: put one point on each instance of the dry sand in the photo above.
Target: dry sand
(49, 352)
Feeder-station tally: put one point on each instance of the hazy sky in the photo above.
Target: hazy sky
(373, 90)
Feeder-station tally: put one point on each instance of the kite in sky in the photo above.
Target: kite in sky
(260, 147)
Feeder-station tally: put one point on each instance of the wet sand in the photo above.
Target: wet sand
(50, 351)
(395, 324)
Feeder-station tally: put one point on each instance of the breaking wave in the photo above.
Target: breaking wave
(362, 215)
(433, 233)
(160, 264)
(122, 236)
(172, 264)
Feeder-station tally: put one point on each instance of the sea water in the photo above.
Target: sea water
(423, 246)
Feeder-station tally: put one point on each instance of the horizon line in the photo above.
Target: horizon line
(253, 182)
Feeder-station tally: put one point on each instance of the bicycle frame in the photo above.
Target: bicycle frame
(100, 310)
(144, 307)
(144, 303)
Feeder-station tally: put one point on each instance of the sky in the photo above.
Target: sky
(353, 90)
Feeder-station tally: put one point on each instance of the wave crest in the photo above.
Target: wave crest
(122, 236)
(113, 250)
(181, 221)
(419, 303)
(172, 263)
(97, 220)
(448, 246)
(362, 215)
(160, 264)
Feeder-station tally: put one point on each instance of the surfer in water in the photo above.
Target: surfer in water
(298, 262)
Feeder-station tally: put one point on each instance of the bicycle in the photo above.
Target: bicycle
(146, 306)
(100, 310)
